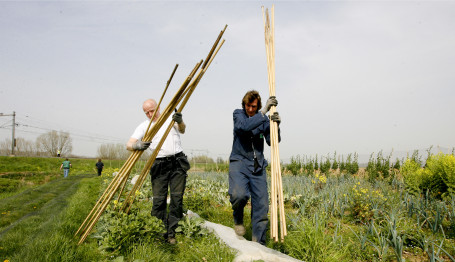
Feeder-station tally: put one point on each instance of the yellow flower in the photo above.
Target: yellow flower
(115, 202)
(137, 192)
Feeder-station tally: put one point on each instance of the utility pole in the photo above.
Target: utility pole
(13, 139)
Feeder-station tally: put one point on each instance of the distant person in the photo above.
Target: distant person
(66, 165)
(58, 153)
(99, 166)
(247, 175)
(168, 170)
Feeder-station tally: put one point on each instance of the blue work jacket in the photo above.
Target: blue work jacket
(249, 134)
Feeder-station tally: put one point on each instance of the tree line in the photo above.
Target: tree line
(47, 144)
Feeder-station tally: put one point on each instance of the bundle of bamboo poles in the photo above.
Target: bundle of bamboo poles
(277, 202)
(118, 183)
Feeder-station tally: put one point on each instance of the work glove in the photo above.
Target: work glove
(177, 117)
(270, 102)
(275, 117)
(141, 145)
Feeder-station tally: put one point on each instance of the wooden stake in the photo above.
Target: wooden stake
(277, 202)
(184, 93)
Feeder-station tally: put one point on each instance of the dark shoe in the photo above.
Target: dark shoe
(239, 230)
(172, 241)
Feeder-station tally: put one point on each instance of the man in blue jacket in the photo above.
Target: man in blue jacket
(247, 176)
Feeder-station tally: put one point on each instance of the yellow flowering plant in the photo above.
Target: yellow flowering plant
(365, 201)
(319, 181)
(438, 176)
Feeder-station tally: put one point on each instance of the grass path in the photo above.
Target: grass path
(34, 218)
(34, 201)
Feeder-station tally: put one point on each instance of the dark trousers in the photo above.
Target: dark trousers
(99, 171)
(244, 183)
(169, 175)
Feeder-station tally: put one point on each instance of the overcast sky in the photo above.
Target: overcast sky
(351, 76)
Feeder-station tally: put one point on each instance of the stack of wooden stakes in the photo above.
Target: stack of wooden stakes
(277, 201)
(118, 183)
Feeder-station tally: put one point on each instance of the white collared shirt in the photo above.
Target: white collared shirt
(171, 146)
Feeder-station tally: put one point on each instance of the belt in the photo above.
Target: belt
(170, 158)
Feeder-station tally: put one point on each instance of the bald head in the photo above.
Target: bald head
(149, 107)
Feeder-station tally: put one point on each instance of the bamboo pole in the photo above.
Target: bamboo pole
(166, 113)
(109, 193)
(120, 180)
(162, 96)
(121, 175)
(191, 88)
(153, 116)
(99, 202)
(277, 201)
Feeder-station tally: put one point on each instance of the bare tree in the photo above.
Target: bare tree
(53, 141)
(25, 147)
(113, 151)
(5, 147)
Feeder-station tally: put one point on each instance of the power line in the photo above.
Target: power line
(84, 137)
(72, 130)
(6, 124)
(78, 137)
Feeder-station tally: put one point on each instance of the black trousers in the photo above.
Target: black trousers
(169, 175)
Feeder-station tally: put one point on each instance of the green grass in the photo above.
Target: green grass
(206, 248)
(39, 224)
(52, 165)
(37, 221)
(18, 174)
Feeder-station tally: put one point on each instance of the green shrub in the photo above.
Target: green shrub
(316, 165)
(441, 168)
(192, 227)
(438, 177)
(118, 230)
(397, 164)
(366, 202)
(201, 193)
(309, 166)
(413, 176)
(295, 165)
(325, 166)
(335, 164)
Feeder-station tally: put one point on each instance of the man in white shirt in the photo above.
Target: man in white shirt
(169, 168)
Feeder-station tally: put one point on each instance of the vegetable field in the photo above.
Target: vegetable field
(331, 216)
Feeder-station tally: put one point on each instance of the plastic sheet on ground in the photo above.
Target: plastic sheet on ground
(134, 179)
(246, 250)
